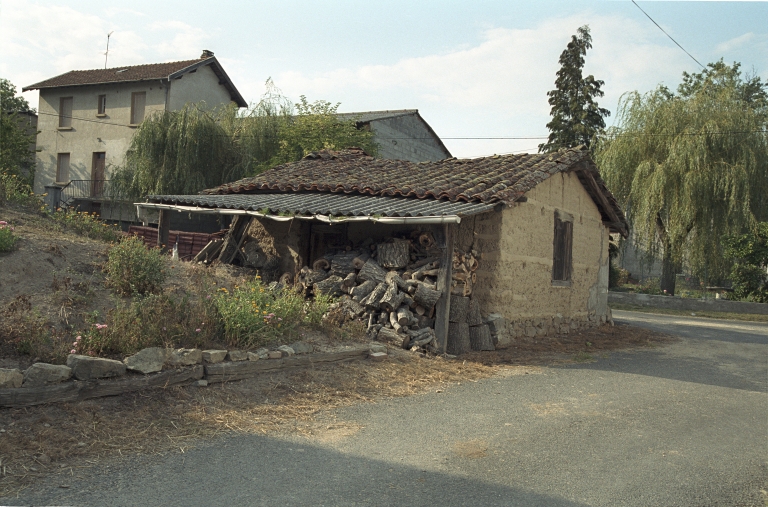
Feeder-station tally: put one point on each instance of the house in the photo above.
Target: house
(538, 226)
(401, 135)
(87, 117)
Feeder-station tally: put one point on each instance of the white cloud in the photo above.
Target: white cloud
(187, 42)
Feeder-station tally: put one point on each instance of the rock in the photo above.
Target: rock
(10, 377)
(262, 353)
(88, 368)
(378, 356)
(252, 356)
(302, 348)
(274, 354)
(185, 357)
(148, 360)
(286, 350)
(201, 383)
(237, 355)
(214, 356)
(530, 331)
(40, 374)
(44, 459)
(377, 347)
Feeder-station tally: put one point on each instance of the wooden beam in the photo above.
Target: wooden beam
(444, 276)
(163, 228)
(592, 183)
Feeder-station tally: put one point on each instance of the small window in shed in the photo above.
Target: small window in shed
(562, 249)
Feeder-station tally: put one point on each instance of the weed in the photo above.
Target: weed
(132, 268)
(14, 190)
(583, 357)
(26, 332)
(86, 224)
(7, 238)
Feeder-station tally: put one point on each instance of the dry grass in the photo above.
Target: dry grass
(77, 436)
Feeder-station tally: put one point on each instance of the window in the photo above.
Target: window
(102, 108)
(62, 168)
(562, 249)
(65, 112)
(138, 99)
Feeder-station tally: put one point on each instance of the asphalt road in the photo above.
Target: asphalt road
(684, 424)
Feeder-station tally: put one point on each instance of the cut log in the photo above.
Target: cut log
(394, 277)
(209, 251)
(394, 323)
(423, 340)
(388, 335)
(427, 240)
(408, 301)
(459, 309)
(315, 276)
(392, 298)
(393, 255)
(480, 338)
(473, 315)
(425, 321)
(286, 279)
(363, 289)
(458, 338)
(417, 264)
(373, 299)
(372, 271)
(341, 264)
(383, 318)
(425, 296)
(419, 310)
(404, 315)
(349, 280)
(352, 308)
(321, 264)
(330, 286)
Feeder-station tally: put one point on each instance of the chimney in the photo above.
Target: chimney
(206, 54)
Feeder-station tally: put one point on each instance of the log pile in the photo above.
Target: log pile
(391, 286)
(466, 330)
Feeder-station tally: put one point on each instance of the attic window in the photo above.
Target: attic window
(562, 249)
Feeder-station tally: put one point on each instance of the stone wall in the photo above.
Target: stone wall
(692, 305)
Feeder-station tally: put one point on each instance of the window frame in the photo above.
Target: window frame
(562, 250)
(65, 120)
(101, 105)
(60, 157)
(134, 109)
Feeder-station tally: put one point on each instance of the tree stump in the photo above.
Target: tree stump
(473, 316)
(458, 338)
(372, 271)
(459, 309)
(480, 338)
(393, 255)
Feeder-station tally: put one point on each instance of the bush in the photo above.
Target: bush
(88, 225)
(15, 190)
(132, 268)
(7, 239)
(749, 253)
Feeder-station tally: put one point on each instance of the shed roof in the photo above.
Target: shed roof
(487, 180)
(137, 73)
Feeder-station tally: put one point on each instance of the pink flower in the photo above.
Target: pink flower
(197, 330)
(163, 328)
(73, 351)
(74, 343)
(78, 338)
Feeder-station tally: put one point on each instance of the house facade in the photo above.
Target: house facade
(87, 117)
(401, 135)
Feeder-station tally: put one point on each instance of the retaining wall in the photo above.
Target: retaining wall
(692, 305)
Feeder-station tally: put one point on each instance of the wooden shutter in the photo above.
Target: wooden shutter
(562, 250)
(62, 168)
(65, 112)
(138, 100)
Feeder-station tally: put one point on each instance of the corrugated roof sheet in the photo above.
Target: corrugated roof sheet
(313, 203)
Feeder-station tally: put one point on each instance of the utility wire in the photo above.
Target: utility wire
(670, 37)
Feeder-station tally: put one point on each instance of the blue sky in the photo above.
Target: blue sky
(474, 69)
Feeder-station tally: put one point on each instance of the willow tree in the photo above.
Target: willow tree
(691, 167)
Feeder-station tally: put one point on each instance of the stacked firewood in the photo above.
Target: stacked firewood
(466, 330)
(464, 270)
(391, 286)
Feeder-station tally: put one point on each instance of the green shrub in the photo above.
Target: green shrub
(25, 331)
(88, 225)
(14, 190)
(7, 238)
(132, 268)
(749, 254)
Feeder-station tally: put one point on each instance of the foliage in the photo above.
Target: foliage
(132, 268)
(86, 224)
(183, 152)
(15, 156)
(17, 190)
(24, 331)
(576, 117)
(691, 167)
(7, 238)
(749, 273)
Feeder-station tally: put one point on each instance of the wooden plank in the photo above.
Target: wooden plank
(444, 276)
(224, 372)
(163, 229)
(78, 391)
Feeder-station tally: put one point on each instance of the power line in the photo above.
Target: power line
(665, 33)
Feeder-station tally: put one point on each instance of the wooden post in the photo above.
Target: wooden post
(444, 275)
(163, 228)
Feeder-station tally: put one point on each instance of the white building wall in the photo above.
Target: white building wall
(406, 138)
(201, 85)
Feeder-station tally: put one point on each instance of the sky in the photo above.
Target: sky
(477, 71)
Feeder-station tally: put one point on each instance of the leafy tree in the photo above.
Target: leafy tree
(691, 167)
(749, 253)
(576, 117)
(15, 156)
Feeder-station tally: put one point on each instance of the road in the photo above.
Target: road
(683, 424)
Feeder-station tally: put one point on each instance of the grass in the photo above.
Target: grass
(749, 317)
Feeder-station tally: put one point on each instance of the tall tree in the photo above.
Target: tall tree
(691, 167)
(15, 155)
(576, 117)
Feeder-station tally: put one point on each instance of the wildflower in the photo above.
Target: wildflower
(73, 351)
(78, 338)
(198, 330)
(163, 328)
(279, 319)
(74, 344)
(208, 296)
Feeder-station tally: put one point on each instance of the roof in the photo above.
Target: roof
(488, 180)
(336, 205)
(138, 73)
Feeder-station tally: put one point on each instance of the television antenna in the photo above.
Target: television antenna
(106, 53)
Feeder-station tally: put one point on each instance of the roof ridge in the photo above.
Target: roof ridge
(120, 67)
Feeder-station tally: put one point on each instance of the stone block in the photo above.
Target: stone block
(263, 353)
(286, 350)
(10, 378)
(530, 331)
(40, 374)
(302, 348)
(237, 355)
(185, 357)
(201, 383)
(149, 360)
(252, 356)
(378, 356)
(214, 356)
(274, 354)
(377, 347)
(497, 324)
(89, 368)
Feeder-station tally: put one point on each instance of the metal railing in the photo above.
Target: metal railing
(85, 189)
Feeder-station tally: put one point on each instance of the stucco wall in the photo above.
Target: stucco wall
(89, 133)
(515, 279)
(406, 138)
(201, 85)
